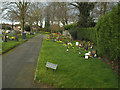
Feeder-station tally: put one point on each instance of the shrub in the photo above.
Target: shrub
(108, 34)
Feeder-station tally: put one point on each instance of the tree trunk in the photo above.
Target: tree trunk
(22, 25)
(12, 24)
(105, 4)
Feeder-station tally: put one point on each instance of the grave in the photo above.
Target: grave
(94, 53)
(77, 43)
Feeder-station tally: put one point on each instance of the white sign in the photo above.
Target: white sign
(77, 43)
(51, 65)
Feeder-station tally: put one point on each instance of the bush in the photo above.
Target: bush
(27, 28)
(108, 34)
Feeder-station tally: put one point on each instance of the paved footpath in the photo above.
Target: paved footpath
(19, 64)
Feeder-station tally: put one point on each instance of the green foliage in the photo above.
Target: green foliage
(69, 26)
(108, 34)
(73, 70)
(105, 34)
(87, 34)
(27, 28)
(84, 13)
(6, 27)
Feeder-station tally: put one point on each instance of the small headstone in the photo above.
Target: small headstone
(86, 56)
(77, 43)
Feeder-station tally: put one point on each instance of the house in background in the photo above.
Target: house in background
(17, 27)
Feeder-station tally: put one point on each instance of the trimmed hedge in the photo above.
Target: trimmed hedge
(87, 34)
(108, 32)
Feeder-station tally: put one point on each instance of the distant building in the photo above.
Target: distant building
(16, 27)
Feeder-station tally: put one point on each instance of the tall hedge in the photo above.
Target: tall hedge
(87, 34)
(108, 34)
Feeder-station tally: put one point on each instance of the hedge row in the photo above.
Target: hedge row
(106, 34)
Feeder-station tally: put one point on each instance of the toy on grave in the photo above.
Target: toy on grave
(94, 53)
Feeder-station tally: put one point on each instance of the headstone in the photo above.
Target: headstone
(86, 57)
(31, 33)
(77, 43)
(23, 35)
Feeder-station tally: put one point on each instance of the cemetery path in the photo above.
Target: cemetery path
(19, 64)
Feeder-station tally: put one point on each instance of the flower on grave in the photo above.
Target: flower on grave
(60, 41)
(68, 47)
(72, 47)
(47, 39)
(71, 44)
(65, 45)
(13, 37)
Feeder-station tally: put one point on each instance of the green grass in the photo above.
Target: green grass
(11, 44)
(73, 70)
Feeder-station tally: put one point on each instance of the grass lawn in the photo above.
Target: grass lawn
(11, 44)
(73, 70)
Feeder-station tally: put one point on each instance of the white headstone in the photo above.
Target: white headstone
(87, 54)
(77, 43)
(86, 57)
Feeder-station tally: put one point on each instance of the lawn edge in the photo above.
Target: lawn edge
(16, 46)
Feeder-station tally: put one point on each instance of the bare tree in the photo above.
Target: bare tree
(19, 9)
